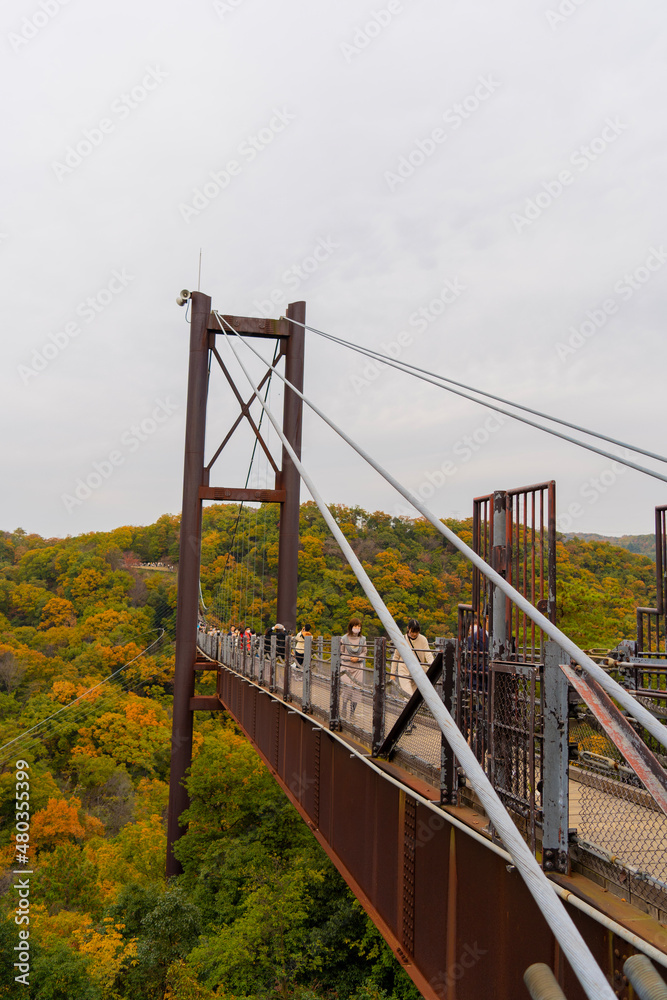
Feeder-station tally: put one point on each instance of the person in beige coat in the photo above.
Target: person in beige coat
(352, 666)
(419, 643)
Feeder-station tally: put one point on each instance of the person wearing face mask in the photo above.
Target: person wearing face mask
(352, 663)
(423, 652)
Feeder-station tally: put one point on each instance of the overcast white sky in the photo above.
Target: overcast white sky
(498, 165)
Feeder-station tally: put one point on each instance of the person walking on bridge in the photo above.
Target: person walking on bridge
(423, 653)
(352, 663)
(300, 643)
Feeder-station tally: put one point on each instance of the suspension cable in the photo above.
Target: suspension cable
(590, 976)
(85, 694)
(612, 687)
(438, 380)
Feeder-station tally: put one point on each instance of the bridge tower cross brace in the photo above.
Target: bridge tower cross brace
(196, 488)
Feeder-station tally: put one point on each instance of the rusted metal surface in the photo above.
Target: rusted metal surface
(188, 573)
(458, 918)
(289, 478)
(661, 558)
(196, 488)
(251, 496)
(496, 706)
(651, 624)
(205, 703)
(252, 326)
(531, 558)
(618, 729)
(650, 632)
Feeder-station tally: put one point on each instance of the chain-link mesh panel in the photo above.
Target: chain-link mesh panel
(516, 743)
(320, 678)
(356, 700)
(472, 704)
(418, 747)
(614, 814)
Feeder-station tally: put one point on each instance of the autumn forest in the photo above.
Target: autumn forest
(86, 668)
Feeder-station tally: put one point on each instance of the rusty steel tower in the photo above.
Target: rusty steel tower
(205, 327)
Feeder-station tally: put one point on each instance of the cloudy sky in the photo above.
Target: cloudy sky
(477, 187)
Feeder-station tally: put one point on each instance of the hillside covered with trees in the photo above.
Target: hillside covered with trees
(86, 666)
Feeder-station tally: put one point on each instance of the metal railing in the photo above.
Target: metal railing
(617, 830)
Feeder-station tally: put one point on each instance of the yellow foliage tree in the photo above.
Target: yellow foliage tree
(67, 691)
(132, 737)
(57, 612)
(108, 951)
(135, 855)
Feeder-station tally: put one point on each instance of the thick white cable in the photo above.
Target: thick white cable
(408, 369)
(612, 687)
(589, 974)
(438, 380)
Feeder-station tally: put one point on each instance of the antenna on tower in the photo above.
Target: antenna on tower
(199, 275)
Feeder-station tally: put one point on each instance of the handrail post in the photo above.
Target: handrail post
(555, 788)
(272, 664)
(287, 674)
(334, 700)
(307, 652)
(379, 693)
(448, 773)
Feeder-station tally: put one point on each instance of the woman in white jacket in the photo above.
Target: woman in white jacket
(419, 643)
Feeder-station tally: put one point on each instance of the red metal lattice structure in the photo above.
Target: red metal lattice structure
(500, 649)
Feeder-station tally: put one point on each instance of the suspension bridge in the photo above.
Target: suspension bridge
(510, 813)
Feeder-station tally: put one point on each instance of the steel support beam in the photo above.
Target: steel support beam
(289, 479)
(245, 495)
(642, 761)
(188, 572)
